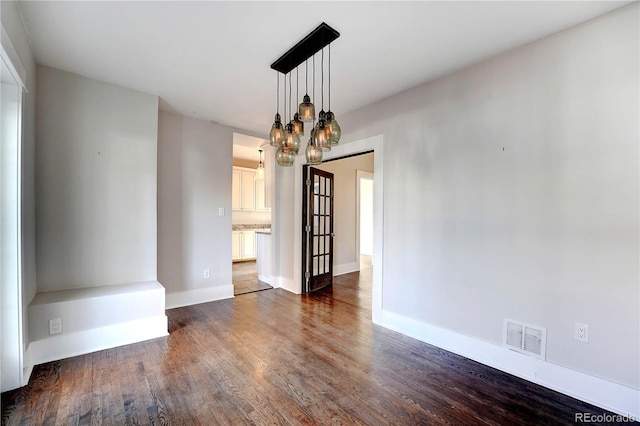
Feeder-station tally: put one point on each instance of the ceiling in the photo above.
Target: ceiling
(211, 60)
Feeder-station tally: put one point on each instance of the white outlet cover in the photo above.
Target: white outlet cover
(55, 326)
(581, 333)
(207, 273)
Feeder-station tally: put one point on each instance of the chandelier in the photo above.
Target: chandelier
(326, 132)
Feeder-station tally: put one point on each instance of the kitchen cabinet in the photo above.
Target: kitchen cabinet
(243, 189)
(243, 245)
(247, 193)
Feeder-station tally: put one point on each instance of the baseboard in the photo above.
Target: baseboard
(267, 279)
(346, 268)
(611, 396)
(287, 284)
(200, 295)
(83, 342)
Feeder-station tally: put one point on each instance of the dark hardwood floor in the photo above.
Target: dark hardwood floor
(272, 357)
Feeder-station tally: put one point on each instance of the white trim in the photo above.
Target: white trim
(287, 284)
(374, 143)
(73, 344)
(346, 268)
(593, 390)
(360, 174)
(265, 279)
(12, 59)
(198, 295)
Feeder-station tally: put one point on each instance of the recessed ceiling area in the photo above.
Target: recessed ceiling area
(211, 60)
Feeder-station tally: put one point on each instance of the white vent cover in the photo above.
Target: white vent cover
(525, 338)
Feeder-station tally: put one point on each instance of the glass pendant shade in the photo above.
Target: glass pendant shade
(320, 136)
(306, 110)
(333, 129)
(285, 158)
(298, 126)
(260, 169)
(276, 135)
(291, 140)
(313, 154)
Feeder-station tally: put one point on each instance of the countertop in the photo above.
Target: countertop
(252, 227)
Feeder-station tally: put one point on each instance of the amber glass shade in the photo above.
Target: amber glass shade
(291, 140)
(320, 138)
(276, 135)
(298, 126)
(285, 158)
(313, 154)
(333, 129)
(306, 110)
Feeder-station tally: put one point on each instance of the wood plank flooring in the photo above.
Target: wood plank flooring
(275, 358)
(245, 278)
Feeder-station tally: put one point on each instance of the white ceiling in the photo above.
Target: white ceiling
(211, 60)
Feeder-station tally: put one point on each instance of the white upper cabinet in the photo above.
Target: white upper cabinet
(248, 194)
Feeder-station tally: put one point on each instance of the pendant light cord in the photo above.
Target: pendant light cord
(278, 92)
(322, 78)
(329, 76)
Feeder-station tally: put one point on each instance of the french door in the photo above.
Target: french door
(317, 211)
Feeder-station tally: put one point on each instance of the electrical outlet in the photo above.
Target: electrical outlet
(220, 211)
(55, 326)
(207, 274)
(582, 333)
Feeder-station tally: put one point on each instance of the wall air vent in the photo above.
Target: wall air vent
(525, 338)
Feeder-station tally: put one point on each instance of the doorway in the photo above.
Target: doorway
(11, 309)
(338, 224)
(370, 144)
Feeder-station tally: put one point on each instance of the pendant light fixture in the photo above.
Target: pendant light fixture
(287, 137)
(298, 125)
(333, 129)
(291, 138)
(260, 169)
(276, 136)
(321, 138)
(306, 110)
(312, 153)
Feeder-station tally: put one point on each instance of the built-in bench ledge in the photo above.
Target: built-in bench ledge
(95, 318)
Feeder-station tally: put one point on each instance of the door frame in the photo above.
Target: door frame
(13, 373)
(308, 207)
(375, 144)
(360, 175)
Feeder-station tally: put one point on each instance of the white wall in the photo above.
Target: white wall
(96, 173)
(512, 191)
(345, 256)
(194, 180)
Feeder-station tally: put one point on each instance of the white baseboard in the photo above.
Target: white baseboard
(346, 268)
(287, 284)
(199, 295)
(611, 396)
(267, 279)
(82, 342)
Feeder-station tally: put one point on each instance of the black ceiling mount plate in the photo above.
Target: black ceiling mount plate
(305, 48)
